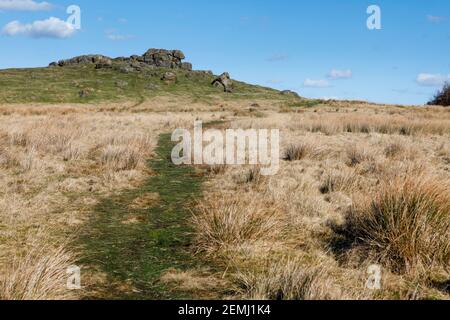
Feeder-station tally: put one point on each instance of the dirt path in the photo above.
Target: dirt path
(132, 245)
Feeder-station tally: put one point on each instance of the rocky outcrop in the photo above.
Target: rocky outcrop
(290, 93)
(224, 81)
(91, 59)
(171, 59)
(163, 58)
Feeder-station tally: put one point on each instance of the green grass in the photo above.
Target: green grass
(63, 85)
(305, 103)
(139, 253)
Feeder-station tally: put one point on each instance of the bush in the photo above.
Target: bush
(442, 98)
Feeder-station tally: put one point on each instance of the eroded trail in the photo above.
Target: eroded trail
(136, 236)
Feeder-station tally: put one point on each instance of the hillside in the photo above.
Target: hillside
(95, 78)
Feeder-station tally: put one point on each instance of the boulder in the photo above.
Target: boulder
(121, 84)
(224, 81)
(169, 77)
(164, 58)
(290, 93)
(85, 93)
(125, 69)
(186, 66)
(178, 55)
(103, 62)
(152, 86)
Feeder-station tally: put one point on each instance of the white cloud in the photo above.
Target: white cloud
(436, 19)
(50, 28)
(432, 80)
(24, 5)
(310, 83)
(340, 74)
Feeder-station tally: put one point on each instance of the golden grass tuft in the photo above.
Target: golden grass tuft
(40, 273)
(357, 155)
(406, 225)
(288, 279)
(296, 152)
(227, 222)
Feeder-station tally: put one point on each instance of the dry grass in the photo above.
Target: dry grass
(226, 223)
(274, 236)
(54, 165)
(297, 152)
(37, 273)
(288, 279)
(385, 165)
(406, 225)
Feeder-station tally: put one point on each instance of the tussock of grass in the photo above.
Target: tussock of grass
(394, 149)
(356, 155)
(37, 274)
(406, 225)
(339, 180)
(227, 222)
(119, 158)
(297, 152)
(288, 279)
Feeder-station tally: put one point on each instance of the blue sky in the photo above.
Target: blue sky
(319, 48)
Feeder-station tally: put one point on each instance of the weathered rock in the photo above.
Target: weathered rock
(85, 93)
(121, 84)
(126, 69)
(169, 77)
(171, 59)
(152, 86)
(86, 59)
(200, 74)
(164, 58)
(178, 55)
(290, 93)
(224, 81)
(103, 62)
(186, 66)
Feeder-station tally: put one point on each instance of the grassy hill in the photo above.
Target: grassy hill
(66, 84)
